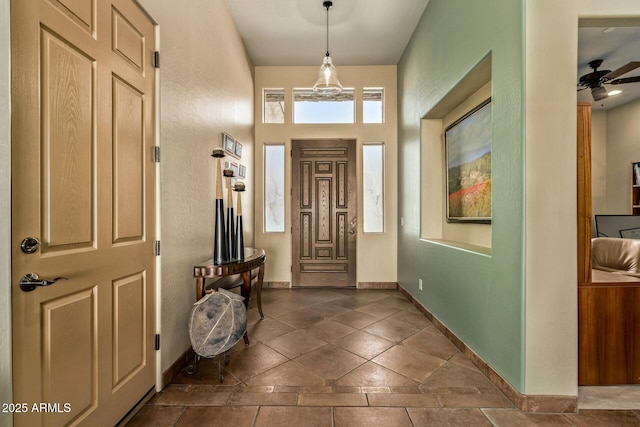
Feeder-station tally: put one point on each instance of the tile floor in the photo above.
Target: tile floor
(345, 357)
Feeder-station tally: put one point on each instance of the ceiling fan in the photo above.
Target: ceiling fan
(597, 79)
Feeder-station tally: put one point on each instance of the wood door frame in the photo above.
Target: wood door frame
(352, 202)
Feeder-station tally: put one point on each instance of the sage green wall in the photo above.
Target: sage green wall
(479, 297)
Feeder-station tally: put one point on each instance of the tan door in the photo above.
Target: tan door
(83, 185)
(324, 213)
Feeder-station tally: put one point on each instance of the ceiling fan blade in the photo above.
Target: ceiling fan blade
(635, 79)
(599, 93)
(622, 70)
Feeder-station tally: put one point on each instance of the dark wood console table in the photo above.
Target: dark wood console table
(254, 258)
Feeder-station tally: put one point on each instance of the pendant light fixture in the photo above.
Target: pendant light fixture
(327, 82)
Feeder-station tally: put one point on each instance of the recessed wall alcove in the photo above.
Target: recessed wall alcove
(470, 92)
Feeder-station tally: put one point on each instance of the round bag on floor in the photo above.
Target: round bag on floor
(218, 321)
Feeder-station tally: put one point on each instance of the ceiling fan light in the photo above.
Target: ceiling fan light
(327, 82)
(614, 92)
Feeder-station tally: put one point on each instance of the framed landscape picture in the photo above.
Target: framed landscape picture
(238, 149)
(468, 163)
(242, 172)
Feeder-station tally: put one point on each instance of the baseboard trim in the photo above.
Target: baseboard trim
(177, 366)
(276, 285)
(525, 403)
(377, 285)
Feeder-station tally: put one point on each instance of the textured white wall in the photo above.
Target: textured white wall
(206, 88)
(5, 212)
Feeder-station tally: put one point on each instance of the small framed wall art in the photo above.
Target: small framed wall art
(228, 143)
(242, 172)
(238, 149)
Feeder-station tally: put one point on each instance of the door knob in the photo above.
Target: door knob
(29, 281)
(29, 245)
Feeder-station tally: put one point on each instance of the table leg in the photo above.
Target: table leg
(199, 288)
(246, 293)
(259, 289)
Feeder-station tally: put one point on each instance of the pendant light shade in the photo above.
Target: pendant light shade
(327, 82)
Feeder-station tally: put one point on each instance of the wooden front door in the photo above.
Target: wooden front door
(83, 186)
(324, 213)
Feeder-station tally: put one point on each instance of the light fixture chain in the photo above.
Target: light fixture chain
(328, 5)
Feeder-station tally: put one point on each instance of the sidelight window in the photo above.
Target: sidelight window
(373, 187)
(274, 188)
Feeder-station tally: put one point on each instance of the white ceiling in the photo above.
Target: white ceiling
(293, 32)
(376, 32)
(616, 48)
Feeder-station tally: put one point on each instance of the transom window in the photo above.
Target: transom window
(309, 107)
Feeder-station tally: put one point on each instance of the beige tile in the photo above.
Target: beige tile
(433, 344)
(299, 416)
(329, 330)
(378, 310)
(373, 375)
(452, 375)
(240, 416)
(368, 417)
(398, 301)
(263, 399)
(332, 399)
(300, 319)
(295, 343)
(363, 344)
(288, 374)
(513, 417)
(156, 415)
(197, 395)
(356, 319)
(252, 361)
(278, 308)
(604, 418)
(478, 400)
(327, 309)
(408, 362)
(267, 329)
(392, 331)
(403, 400)
(330, 362)
(206, 374)
(445, 417)
(609, 397)
(263, 387)
(413, 318)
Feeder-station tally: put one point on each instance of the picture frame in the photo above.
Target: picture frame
(468, 166)
(238, 149)
(234, 167)
(228, 143)
(242, 171)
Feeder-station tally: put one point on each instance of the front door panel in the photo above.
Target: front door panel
(324, 213)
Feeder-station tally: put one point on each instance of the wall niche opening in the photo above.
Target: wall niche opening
(470, 92)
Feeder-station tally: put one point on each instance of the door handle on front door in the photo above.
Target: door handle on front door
(29, 281)
(352, 226)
